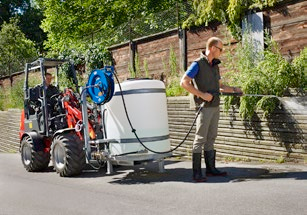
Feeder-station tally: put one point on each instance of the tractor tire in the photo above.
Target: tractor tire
(33, 161)
(68, 156)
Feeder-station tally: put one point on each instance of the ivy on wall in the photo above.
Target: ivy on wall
(230, 12)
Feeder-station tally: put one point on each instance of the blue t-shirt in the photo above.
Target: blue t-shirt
(192, 70)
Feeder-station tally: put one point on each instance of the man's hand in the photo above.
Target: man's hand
(207, 97)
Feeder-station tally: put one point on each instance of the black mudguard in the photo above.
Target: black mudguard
(37, 139)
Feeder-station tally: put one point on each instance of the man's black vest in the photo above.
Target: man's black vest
(207, 80)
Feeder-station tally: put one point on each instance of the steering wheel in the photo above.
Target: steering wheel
(55, 95)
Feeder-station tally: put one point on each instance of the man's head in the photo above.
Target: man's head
(214, 47)
(48, 78)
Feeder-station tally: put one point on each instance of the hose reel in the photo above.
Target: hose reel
(100, 85)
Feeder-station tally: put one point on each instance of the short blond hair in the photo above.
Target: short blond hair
(213, 41)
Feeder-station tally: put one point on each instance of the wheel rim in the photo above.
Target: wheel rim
(26, 154)
(59, 156)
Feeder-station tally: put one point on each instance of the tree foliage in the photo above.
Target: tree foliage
(30, 21)
(73, 23)
(29, 15)
(15, 48)
(85, 28)
(9, 8)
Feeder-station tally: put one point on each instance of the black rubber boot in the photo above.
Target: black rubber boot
(210, 164)
(197, 173)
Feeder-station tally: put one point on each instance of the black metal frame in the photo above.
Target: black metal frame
(30, 93)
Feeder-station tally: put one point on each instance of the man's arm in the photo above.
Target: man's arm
(228, 89)
(186, 83)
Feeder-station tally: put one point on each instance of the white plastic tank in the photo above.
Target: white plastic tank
(146, 105)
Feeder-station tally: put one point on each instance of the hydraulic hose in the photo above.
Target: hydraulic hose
(134, 130)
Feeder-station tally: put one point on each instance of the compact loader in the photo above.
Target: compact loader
(48, 125)
(71, 132)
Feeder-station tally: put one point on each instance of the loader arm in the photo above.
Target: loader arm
(74, 114)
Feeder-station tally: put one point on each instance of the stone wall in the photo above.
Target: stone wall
(9, 137)
(280, 137)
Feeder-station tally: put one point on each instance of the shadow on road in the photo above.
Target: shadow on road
(180, 171)
(148, 174)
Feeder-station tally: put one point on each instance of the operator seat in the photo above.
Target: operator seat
(34, 100)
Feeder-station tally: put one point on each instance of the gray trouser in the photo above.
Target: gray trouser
(206, 129)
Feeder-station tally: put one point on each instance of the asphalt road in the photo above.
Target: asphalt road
(249, 189)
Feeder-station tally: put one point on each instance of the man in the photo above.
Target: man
(202, 79)
(50, 89)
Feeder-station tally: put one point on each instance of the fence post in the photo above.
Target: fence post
(182, 34)
(132, 46)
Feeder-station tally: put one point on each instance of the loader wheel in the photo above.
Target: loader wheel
(67, 154)
(32, 160)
